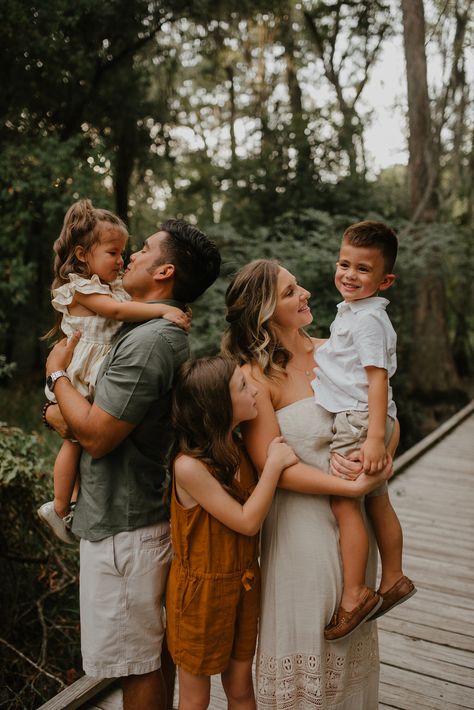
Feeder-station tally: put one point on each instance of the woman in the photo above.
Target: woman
(301, 569)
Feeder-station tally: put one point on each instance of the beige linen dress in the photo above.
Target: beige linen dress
(301, 588)
(97, 331)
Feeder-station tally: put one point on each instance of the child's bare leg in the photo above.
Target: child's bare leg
(238, 685)
(194, 691)
(354, 542)
(65, 475)
(389, 536)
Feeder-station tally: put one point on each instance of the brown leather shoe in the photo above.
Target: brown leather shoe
(399, 593)
(345, 622)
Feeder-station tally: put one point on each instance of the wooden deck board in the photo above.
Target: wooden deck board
(427, 644)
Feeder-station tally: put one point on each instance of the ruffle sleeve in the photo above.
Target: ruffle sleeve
(63, 296)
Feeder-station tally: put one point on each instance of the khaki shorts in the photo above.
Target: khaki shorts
(350, 432)
(122, 585)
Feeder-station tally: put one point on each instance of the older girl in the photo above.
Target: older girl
(217, 507)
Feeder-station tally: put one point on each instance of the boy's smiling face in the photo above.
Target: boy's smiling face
(360, 272)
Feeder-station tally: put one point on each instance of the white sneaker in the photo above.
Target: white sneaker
(58, 525)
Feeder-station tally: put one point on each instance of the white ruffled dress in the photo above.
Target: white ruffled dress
(97, 331)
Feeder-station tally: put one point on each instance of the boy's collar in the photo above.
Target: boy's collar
(363, 304)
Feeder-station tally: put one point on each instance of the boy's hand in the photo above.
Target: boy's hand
(374, 455)
(182, 319)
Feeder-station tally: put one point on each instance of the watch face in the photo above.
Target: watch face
(49, 382)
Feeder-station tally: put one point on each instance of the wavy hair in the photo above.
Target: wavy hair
(202, 418)
(251, 336)
(82, 227)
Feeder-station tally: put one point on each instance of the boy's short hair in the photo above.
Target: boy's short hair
(374, 234)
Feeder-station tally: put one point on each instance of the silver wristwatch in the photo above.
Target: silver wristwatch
(51, 379)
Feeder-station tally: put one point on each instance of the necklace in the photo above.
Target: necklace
(308, 373)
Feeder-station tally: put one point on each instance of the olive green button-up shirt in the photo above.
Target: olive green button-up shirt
(124, 489)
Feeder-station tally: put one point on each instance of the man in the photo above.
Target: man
(125, 434)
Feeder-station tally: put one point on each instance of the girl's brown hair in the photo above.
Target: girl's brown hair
(251, 299)
(82, 227)
(202, 418)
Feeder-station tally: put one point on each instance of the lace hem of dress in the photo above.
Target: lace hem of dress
(298, 681)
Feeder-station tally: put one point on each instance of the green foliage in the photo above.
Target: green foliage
(39, 581)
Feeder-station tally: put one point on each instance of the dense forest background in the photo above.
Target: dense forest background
(249, 119)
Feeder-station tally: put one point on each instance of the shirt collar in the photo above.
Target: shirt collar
(365, 304)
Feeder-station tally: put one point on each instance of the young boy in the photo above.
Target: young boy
(352, 381)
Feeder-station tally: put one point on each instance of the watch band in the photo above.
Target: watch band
(53, 377)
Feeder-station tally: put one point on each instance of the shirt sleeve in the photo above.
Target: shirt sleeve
(140, 372)
(371, 342)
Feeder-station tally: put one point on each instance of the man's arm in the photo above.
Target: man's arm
(97, 431)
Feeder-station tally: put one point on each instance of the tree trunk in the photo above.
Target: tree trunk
(422, 170)
(433, 372)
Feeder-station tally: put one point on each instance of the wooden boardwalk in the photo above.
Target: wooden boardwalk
(427, 644)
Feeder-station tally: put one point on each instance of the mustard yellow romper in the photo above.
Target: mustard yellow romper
(213, 592)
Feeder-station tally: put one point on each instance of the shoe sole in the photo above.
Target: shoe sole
(367, 617)
(399, 601)
(46, 522)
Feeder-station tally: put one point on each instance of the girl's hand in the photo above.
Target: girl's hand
(348, 467)
(281, 454)
(181, 318)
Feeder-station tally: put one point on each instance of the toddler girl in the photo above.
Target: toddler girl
(217, 507)
(88, 297)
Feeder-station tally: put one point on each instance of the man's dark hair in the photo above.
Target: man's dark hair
(196, 259)
(374, 234)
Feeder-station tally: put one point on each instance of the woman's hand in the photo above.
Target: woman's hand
(348, 467)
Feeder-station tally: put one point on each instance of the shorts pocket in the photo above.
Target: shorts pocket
(189, 592)
(151, 540)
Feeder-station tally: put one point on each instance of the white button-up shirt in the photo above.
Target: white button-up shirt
(361, 336)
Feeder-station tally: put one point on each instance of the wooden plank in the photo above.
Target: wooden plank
(390, 622)
(432, 689)
(462, 660)
(407, 458)
(77, 694)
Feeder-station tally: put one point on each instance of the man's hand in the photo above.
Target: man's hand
(55, 419)
(61, 355)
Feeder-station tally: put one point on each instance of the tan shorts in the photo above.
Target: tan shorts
(122, 585)
(350, 432)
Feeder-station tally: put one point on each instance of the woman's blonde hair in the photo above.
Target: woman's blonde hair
(251, 336)
(81, 228)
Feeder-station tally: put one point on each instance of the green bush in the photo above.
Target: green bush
(39, 634)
